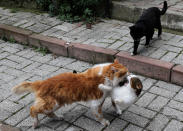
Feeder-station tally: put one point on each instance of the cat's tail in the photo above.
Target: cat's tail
(165, 7)
(26, 87)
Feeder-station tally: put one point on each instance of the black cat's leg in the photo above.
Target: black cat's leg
(148, 38)
(108, 8)
(159, 28)
(151, 35)
(136, 44)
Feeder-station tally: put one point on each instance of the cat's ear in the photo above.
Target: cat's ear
(116, 61)
(132, 27)
(114, 69)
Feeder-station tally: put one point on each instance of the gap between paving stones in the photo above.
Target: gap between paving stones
(146, 66)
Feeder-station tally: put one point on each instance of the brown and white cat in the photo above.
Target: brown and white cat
(67, 88)
(124, 95)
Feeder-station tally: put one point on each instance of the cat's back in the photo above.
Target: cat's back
(150, 14)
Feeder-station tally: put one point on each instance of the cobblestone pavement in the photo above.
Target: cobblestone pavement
(160, 106)
(111, 34)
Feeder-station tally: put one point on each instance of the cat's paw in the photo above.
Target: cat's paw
(132, 54)
(105, 122)
(35, 125)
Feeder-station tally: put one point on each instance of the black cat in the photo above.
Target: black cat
(149, 20)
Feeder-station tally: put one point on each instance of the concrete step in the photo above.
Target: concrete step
(130, 10)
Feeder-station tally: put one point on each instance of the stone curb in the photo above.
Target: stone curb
(91, 53)
(147, 66)
(122, 11)
(177, 75)
(153, 68)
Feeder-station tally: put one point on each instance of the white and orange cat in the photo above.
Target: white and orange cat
(66, 88)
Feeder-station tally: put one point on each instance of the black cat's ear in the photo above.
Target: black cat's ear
(74, 71)
(132, 27)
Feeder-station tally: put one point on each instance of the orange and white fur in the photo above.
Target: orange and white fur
(124, 95)
(66, 88)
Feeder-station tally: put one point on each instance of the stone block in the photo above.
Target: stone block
(146, 66)
(91, 53)
(54, 45)
(18, 34)
(177, 75)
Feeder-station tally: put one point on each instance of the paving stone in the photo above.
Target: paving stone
(105, 41)
(10, 49)
(174, 125)
(162, 92)
(171, 48)
(27, 99)
(116, 125)
(4, 93)
(179, 96)
(158, 103)
(18, 117)
(179, 59)
(75, 113)
(142, 111)
(88, 124)
(158, 54)
(63, 125)
(48, 68)
(79, 66)
(104, 45)
(31, 67)
(172, 113)
(148, 83)
(127, 46)
(116, 45)
(6, 77)
(176, 105)
(65, 27)
(38, 27)
(4, 55)
(158, 123)
(13, 72)
(169, 56)
(30, 23)
(4, 114)
(44, 128)
(61, 61)
(4, 127)
(53, 124)
(73, 128)
(145, 100)
(42, 59)
(27, 53)
(135, 119)
(168, 86)
(176, 38)
(10, 106)
(21, 22)
(26, 123)
(133, 128)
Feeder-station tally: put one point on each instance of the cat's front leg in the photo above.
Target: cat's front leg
(104, 87)
(116, 107)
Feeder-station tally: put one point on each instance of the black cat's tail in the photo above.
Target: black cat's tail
(165, 7)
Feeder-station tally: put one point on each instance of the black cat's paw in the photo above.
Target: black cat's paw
(132, 54)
